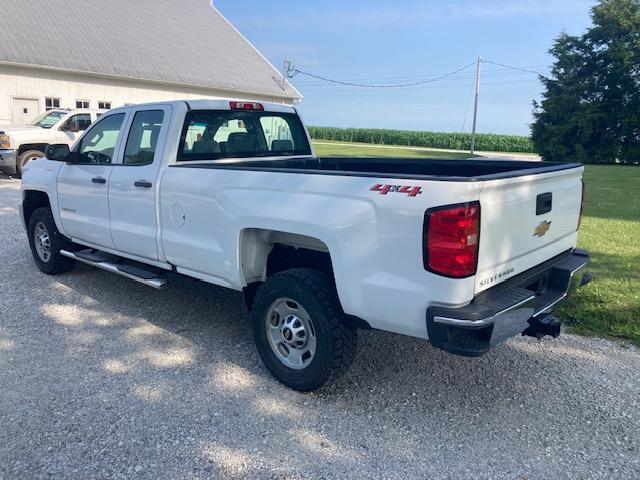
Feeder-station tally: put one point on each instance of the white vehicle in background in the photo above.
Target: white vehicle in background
(21, 144)
(465, 253)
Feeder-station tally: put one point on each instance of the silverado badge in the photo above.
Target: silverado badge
(542, 229)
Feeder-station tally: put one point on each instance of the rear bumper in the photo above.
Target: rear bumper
(523, 304)
(8, 161)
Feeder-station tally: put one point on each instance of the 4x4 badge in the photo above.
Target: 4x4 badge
(542, 229)
(407, 189)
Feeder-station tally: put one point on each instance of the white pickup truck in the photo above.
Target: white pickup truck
(464, 253)
(21, 144)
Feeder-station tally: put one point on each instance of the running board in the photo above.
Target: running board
(146, 277)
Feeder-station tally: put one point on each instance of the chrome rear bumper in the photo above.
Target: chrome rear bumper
(521, 305)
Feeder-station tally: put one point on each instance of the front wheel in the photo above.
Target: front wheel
(300, 329)
(46, 242)
(24, 158)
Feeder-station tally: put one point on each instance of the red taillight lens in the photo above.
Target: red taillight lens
(246, 106)
(581, 205)
(451, 239)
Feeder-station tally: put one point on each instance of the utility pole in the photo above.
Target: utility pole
(475, 106)
(286, 66)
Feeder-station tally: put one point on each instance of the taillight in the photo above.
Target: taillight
(451, 237)
(581, 205)
(246, 106)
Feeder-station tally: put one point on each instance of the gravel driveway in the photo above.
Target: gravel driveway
(101, 377)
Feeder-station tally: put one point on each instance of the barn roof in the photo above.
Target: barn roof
(170, 41)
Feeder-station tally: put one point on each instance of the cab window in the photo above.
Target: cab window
(214, 134)
(98, 145)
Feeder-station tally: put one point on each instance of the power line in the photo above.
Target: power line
(326, 88)
(292, 72)
(504, 73)
(425, 76)
(514, 68)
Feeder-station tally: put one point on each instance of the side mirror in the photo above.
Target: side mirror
(58, 152)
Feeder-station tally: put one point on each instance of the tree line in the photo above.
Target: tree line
(590, 109)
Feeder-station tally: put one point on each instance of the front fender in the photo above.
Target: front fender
(41, 175)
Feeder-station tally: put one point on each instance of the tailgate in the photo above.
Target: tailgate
(526, 221)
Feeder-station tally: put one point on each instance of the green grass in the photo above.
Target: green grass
(359, 150)
(610, 304)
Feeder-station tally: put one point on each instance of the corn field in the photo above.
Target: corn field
(489, 142)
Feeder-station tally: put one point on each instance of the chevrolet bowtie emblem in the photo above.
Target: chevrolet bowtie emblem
(542, 229)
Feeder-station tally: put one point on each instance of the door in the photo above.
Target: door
(83, 186)
(24, 110)
(73, 128)
(133, 186)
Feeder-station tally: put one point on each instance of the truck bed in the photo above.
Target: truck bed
(421, 168)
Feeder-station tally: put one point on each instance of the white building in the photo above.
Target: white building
(108, 53)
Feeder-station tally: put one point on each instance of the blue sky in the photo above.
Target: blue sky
(380, 42)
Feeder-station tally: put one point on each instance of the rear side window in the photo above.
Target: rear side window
(214, 134)
(143, 137)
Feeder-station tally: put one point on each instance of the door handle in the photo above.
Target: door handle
(143, 183)
(99, 180)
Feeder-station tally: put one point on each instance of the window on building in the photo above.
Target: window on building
(82, 103)
(104, 105)
(51, 102)
(143, 137)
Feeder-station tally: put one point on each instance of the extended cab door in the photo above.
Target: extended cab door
(83, 186)
(133, 187)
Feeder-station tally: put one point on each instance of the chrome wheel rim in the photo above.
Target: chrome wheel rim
(290, 333)
(42, 242)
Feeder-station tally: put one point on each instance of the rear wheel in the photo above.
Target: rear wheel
(25, 157)
(46, 242)
(300, 330)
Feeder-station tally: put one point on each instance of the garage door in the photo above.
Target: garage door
(24, 110)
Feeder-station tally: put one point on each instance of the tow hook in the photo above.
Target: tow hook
(586, 278)
(540, 327)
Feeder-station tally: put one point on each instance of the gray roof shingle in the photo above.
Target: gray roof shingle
(175, 41)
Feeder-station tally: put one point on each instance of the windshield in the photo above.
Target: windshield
(214, 134)
(48, 119)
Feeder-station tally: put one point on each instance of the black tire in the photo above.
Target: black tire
(55, 262)
(24, 157)
(335, 341)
